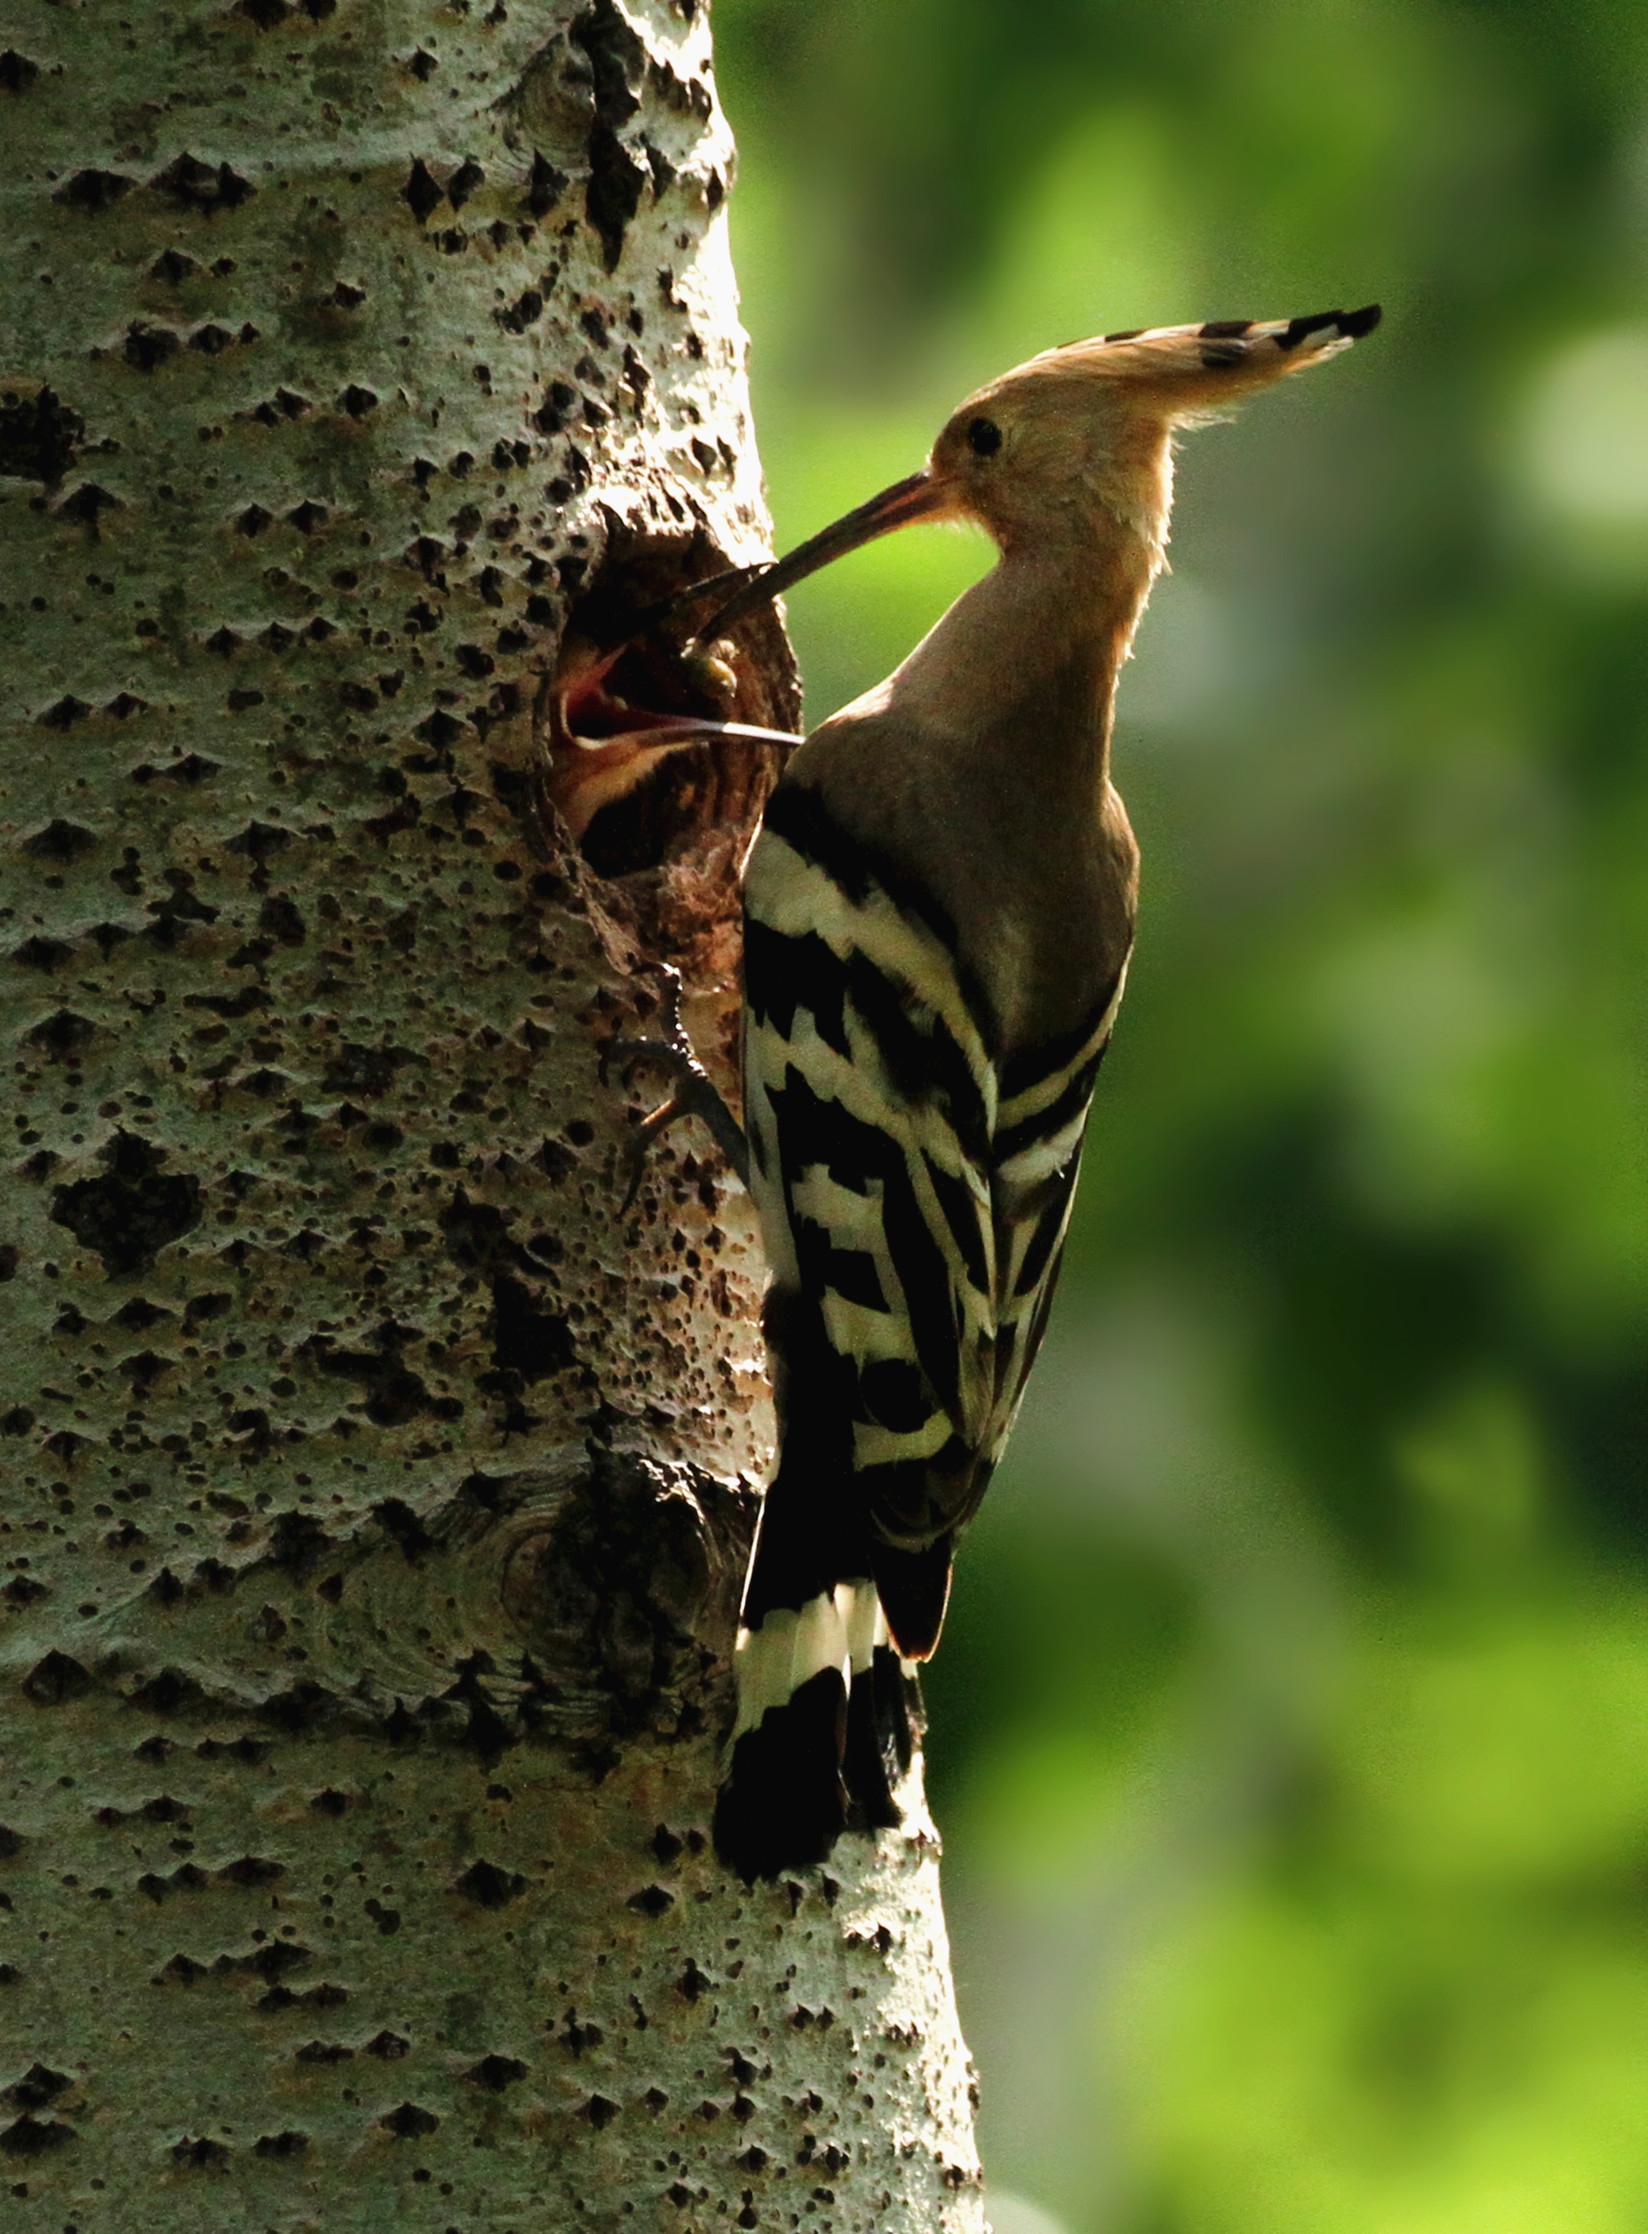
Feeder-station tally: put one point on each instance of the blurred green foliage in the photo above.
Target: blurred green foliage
(1291, 1730)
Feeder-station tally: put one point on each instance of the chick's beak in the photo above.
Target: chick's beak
(921, 496)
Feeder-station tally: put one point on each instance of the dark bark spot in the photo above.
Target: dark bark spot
(346, 297)
(94, 191)
(665, 1844)
(394, 1393)
(38, 2086)
(495, 2073)
(409, 2123)
(307, 516)
(42, 954)
(252, 1869)
(198, 186)
(552, 414)
(279, 919)
(464, 183)
(12, 1843)
(423, 66)
(144, 1367)
(30, 2137)
(420, 193)
(613, 192)
(323, 2051)
(85, 506)
(194, 2153)
(64, 712)
(367, 1071)
(526, 1338)
(357, 401)
(330, 1802)
(166, 1693)
(55, 1680)
(486, 1732)
(260, 839)
(40, 436)
(134, 1211)
(164, 1809)
(269, 1962)
(61, 1036)
(653, 1900)
(17, 72)
(298, 1543)
(268, 15)
(23, 1590)
(600, 2110)
(488, 1886)
(388, 2047)
(148, 347)
(210, 340)
(576, 2037)
(244, 1003)
(254, 520)
(545, 187)
(289, 2143)
(173, 266)
(525, 311)
(397, 1519)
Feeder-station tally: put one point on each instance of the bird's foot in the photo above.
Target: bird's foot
(694, 1093)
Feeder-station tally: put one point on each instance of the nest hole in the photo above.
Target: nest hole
(660, 675)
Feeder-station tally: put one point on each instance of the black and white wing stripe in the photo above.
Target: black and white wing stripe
(1035, 1155)
(910, 1186)
(913, 1192)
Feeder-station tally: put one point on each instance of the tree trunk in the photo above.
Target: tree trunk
(378, 1493)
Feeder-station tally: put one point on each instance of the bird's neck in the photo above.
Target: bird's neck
(1032, 651)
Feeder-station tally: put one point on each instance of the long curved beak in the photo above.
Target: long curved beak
(919, 497)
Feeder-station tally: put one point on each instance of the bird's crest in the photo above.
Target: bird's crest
(1189, 367)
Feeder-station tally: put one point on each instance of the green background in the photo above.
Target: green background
(1290, 1734)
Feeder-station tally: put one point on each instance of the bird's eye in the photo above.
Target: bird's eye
(983, 437)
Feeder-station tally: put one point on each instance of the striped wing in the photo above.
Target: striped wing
(870, 1103)
(919, 1196)
(1035, 1159)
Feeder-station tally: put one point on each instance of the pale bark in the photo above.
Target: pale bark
(375, 1496)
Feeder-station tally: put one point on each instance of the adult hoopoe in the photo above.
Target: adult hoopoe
(938, 915)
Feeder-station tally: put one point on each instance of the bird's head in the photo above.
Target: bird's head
(1076, 440)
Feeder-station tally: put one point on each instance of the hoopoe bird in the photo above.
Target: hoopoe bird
(938, 915)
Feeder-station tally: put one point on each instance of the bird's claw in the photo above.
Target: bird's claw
(694, 1093)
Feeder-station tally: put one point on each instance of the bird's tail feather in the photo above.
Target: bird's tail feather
(827, 1715)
